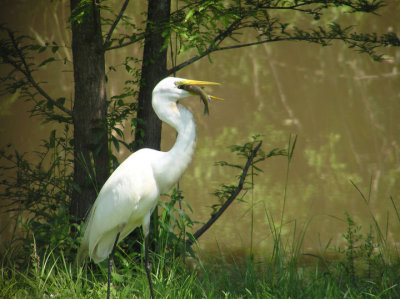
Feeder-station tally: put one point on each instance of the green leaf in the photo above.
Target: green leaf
(49, 105)
(189, 15)
(115, 142)
(119, 132)
(48, 60)
(60, 101)
(52, 139)
(55, 49)
(42, 49)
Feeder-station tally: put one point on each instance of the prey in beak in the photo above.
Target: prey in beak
(196, 88)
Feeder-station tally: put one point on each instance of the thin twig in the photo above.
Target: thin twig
(231, 198)
(114, 25)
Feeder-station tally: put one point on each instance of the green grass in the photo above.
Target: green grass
(358, 270)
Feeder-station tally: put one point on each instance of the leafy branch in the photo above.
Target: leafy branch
(228, 24)
(12, 53)
(229, 193)
(207, 25)
(37, 195)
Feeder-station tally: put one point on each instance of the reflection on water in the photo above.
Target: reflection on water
(344, 109)
(342, 106)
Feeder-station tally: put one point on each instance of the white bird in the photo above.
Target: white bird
(131, 193)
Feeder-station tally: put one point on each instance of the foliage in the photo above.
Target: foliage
(120, 113)
(19, 51)
(38, 194)
(361, 249)
(211, 26)
(175, 225)
(243, 151)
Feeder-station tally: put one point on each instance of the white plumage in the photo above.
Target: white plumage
(129, 196)
(131, 193)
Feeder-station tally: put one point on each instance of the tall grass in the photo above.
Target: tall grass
(360, 272)
(285, 276)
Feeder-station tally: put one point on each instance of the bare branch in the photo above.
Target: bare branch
(231, 198)
(114, 25)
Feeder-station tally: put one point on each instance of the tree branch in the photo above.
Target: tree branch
(189, 61)
(216, 41)
(27, 72)
(143, 35)
(231, 198)
(140, 37)
(114, 25)
(354, 41)
(212, 49)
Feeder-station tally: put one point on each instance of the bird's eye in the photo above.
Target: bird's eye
(180, 86)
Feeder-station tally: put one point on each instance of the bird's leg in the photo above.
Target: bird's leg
(147, 264)
(110, 263)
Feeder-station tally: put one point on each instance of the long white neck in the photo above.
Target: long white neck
(173, 163)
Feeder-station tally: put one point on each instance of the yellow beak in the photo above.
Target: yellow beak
(192, 87)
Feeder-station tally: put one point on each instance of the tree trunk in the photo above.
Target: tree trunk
(154, 68)
(91, 166)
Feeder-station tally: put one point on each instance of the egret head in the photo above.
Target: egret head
(173, 89)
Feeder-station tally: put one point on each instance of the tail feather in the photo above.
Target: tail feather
(83, 253)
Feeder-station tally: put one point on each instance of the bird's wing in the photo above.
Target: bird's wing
(123, 202)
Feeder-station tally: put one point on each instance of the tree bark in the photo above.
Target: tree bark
(91, 161)
(154, 68)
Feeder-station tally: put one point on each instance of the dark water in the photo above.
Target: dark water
(343, 107)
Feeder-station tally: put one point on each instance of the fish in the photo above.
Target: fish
(204, 97)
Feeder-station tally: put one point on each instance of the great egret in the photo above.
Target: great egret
(129, 196)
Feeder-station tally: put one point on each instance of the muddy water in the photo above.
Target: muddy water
(343, 107)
